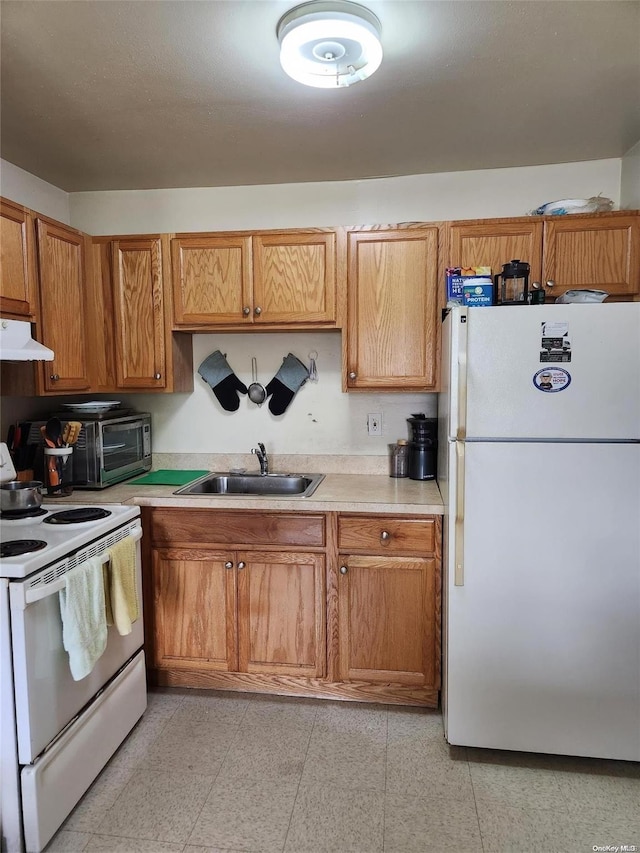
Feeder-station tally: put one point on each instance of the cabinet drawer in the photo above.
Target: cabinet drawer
(207, 526)
(386, 534)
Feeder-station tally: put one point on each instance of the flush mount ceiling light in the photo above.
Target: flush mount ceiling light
(329, 45)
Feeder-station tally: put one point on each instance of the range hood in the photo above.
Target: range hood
(16, 343)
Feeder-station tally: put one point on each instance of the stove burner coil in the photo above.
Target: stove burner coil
(16, 514)
(77, 516)
(16, 547)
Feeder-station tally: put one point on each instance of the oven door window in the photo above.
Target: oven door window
(122, 446)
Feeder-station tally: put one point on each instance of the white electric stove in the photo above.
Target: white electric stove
(32, 541)
(56, 734)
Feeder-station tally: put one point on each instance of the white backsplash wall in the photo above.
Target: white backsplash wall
(319, 420)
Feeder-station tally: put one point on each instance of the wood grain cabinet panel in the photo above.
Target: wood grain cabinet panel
(294, 278)
(18, 297)
(62, 286)
(598, 252)
(494, 243)
(386, 534)
(211, 279)
(283, 279)
(387, 618)
(139, 317)
(194, 596)
(281, 613)
(392, 329)
(238, 528)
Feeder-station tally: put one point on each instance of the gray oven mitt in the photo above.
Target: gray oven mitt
(224, 383)
(284, 385)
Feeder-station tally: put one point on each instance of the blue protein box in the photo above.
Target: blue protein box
(478, 295)
(458, 277)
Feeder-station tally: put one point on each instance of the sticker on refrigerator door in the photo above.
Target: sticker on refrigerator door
(555, 345)
(552, 379)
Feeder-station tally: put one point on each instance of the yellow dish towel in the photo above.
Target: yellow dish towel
(122, 587)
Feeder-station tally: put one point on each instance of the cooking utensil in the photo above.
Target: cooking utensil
(47, 440)
(54, 431)
(74, 432)
(257, 392)
(17, 495)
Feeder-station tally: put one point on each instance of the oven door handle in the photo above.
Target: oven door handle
(48, 589)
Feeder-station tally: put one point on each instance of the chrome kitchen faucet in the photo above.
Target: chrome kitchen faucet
(263, 459)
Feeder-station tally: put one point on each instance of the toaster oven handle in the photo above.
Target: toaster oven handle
(48, 589)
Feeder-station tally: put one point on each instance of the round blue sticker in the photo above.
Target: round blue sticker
(552, 379)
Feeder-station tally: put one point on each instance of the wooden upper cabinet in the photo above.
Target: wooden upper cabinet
(62, 283)
(17, 262)
(294, 278)
(392, 329)
(139, 313)
(279, 279)
(493, 243)
(211, 279)
(598, 252)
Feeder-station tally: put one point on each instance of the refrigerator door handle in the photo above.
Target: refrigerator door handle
(458, 553)
(461, 431)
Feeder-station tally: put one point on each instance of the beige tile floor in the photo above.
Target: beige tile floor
(237, 772)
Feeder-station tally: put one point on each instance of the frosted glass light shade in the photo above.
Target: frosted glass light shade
(329, 45)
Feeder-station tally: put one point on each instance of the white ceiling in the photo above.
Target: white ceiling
(180, 93)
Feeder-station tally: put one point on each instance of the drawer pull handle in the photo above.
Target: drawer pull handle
(228, 564)
(385, 536)
(257, 311)
(353, 375)
(241, 564)
(246, 310)
(343, 570)
(54, 377)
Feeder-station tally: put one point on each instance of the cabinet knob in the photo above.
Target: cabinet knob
(344, 570)
(54, 377)
(241, 564)
(246, 310)
(353, 375)
(157, 376)
(385, 536)
(228, 564)
(550, 283)
(257, 311)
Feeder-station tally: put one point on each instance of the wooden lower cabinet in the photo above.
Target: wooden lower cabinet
(387, 620)
(239, 612)
(292, 603)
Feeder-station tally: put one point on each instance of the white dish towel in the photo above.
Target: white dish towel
(84, 624)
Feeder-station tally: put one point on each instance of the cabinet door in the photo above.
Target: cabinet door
(600, 253)
(387, 620)
(139, 313)
(211, 280)
(17, 262)
(61, 261)
(392, 309)
(281, 613)
(294, 278)
(494, 243)
(194, 594)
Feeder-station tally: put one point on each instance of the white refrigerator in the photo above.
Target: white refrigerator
(539, 469)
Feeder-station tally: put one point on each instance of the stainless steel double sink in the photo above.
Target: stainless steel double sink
(269, 485)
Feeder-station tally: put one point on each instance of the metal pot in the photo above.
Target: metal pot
(17, 495)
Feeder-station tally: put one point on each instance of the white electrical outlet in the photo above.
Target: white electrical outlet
(374, 424)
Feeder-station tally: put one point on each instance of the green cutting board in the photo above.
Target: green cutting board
(166, 477)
